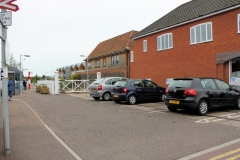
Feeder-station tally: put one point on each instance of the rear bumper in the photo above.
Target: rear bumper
(120, 97)
(96, 94)
(189, 103)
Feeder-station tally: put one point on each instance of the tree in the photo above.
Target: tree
(13, 63)
(75, 77)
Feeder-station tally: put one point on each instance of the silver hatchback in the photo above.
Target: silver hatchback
(102, 87)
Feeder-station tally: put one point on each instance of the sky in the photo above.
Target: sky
(54, 33)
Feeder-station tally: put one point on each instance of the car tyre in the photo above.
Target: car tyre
(202, 108)
(238, 103)
(106, 96)
(117, 101)
(172, 109)
(132, 99)
(96, 98)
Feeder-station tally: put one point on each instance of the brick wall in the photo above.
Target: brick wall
(198, 60)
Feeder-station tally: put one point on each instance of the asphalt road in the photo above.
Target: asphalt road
(104, 130)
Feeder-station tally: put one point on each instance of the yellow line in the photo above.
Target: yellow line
(235, 157)
(226, 154)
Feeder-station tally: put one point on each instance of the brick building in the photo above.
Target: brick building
(110, 57)
(200, 38)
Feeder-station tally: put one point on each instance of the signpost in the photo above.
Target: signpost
(7, 4)
(6, 20)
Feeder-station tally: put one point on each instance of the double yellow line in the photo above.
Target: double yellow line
(227, 154)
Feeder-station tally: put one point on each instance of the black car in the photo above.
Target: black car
(200, 94)
(134, 90)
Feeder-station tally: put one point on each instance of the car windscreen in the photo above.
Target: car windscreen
(120, 84)
(181, 83)
(98, 81)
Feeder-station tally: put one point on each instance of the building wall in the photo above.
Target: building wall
(119, 70)
(184, 59)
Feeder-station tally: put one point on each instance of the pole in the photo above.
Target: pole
(5, 93)
(5, 116)
(87, 68)
(29, 80)
(21, 75)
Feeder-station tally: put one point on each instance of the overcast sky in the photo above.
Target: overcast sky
(56, 32)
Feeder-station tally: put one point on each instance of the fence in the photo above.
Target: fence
(74, 85)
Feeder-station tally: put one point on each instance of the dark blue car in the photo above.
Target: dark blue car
(134, 90)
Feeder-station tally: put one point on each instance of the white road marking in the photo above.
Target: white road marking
(49, 129)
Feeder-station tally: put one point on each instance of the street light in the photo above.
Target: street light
(21, 71)
(87, 64)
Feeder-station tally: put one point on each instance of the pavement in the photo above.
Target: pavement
(29, 138)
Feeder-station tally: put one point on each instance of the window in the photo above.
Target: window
(222, 85)
(89, 65)
(164, 42)
(201, 33)
(114, 60)
(132, 56)
(208, 84)
(238, 23)
(97, 63)
(145, 46)
(137, 83)
(104, 62)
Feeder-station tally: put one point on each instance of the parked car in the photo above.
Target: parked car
(200, 94)
(134, 90)
(101, 88)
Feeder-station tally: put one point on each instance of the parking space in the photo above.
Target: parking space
(223, 116)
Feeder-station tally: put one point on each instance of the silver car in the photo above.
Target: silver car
(102, 87)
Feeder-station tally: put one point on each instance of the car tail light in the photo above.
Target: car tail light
(124, 90)
(190, 92)
(166, 91)
(100, 87)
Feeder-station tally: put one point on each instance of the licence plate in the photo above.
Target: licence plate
(174, 102)
(93, 90)
(115, 96)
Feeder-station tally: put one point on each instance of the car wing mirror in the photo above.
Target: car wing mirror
(231, 87)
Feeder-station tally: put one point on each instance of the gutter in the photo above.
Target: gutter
(193, 20)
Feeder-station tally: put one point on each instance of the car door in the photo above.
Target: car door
(212, 92)
(139, 89)
(151, 90)
(226, 95)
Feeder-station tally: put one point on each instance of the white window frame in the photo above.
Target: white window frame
(89, 65)
(164, 41)
(131, 56)
(238, 21)
(144, 45)
(97, 63)
(115, 60)
(194, 38)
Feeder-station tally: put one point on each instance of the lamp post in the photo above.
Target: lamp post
(87, 64)
(21, 71)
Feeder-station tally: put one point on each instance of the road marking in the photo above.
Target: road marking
(49, 129)
(210, 150)
(235, 157)
(226, 154)
(209, 120)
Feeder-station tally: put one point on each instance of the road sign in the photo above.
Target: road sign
(7, 4)
(6, 18)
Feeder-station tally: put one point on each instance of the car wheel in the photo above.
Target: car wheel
(106, 96)
(163, 97)
(202, 107)
(238, 103)
(117, 101)
(96, 98)
(132, 99)
(172, 109)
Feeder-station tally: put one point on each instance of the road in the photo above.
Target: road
(105, 130)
